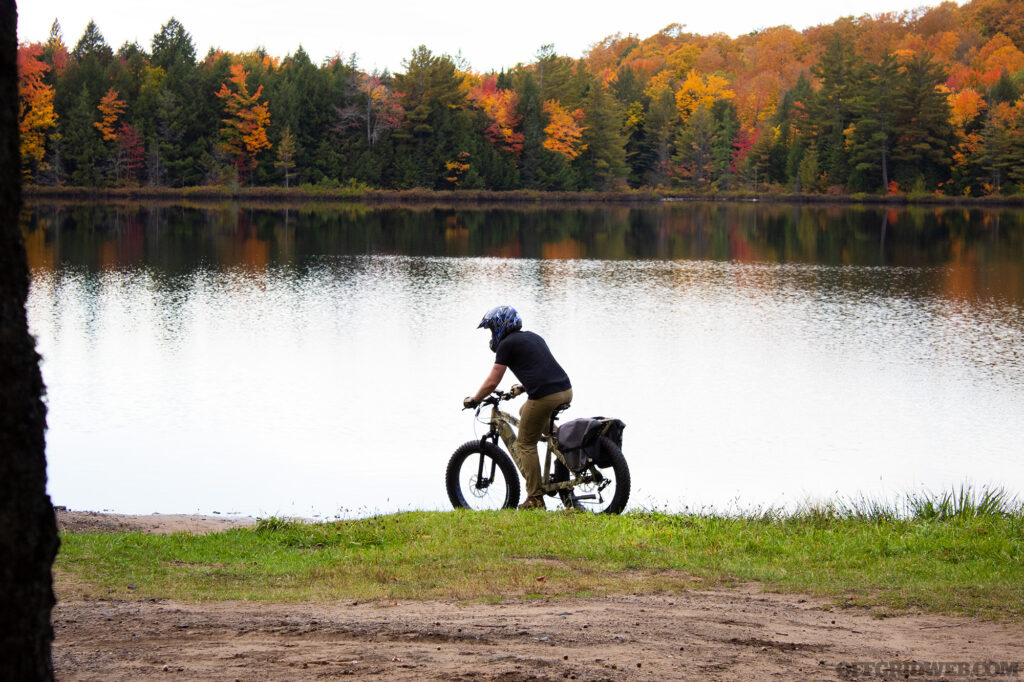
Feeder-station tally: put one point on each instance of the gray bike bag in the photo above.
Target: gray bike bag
(579, 440)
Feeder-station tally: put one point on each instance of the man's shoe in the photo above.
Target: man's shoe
(533, 503)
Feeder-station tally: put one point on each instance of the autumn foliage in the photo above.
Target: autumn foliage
(36, 116)
(929, 100)
(379, 110)
(244, 133)
(563, 133)
(130, 153)
(500, 107)
(110, 108)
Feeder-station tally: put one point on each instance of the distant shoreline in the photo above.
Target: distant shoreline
(512, 199)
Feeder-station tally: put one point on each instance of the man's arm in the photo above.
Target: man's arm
(490, 383)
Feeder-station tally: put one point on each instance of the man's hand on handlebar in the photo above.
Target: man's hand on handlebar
(468, 403)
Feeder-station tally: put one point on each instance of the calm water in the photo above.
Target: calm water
(262, 361)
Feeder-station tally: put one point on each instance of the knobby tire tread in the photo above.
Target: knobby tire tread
(475, 447)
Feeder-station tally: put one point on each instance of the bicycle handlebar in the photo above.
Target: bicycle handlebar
(496, 397)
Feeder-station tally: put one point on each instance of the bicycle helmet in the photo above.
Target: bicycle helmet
(501, 320)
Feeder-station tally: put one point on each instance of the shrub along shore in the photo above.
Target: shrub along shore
(363, 194)
(956, 553)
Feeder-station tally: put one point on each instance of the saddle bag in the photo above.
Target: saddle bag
(579, 441)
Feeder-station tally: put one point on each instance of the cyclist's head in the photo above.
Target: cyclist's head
(501, 320)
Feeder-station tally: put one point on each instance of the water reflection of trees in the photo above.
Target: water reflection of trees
(978, 250)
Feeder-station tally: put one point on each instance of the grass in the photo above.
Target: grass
(960, 552)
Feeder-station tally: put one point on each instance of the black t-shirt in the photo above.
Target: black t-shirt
(529, 358)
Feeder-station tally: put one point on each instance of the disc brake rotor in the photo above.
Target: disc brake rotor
(476, 490)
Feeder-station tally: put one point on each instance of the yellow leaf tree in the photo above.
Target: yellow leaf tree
(698, 91)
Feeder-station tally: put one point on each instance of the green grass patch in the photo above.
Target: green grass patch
(945, 554)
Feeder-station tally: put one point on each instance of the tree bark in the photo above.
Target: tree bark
(28, 531)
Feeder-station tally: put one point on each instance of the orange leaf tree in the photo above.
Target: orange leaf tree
(997, 56)
(110, 108)
(244, 133)
(35, 107)
(965, 109)
(563, 133)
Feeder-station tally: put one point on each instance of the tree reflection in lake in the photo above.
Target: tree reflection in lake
(982, 250)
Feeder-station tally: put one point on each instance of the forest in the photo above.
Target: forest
(928, 101)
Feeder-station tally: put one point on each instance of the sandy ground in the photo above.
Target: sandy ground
(722, 634)
(98, 522)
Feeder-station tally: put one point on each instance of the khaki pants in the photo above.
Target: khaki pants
(533, 421)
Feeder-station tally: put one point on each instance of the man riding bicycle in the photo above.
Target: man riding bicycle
(545, 382)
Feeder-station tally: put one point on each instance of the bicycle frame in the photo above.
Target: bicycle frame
(502, 425)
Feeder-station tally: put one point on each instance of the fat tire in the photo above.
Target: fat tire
(611, 454)
(504, 462)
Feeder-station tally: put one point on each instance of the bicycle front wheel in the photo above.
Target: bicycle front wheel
(481, 476)
(604, 490)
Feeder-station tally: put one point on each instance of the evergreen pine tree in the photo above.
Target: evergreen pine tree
(998, 156)
(1016, 154)
(187, 116)
(87, 68)
(1005, 90)
(603, 163)
(727, 125)
(285, 162)
(85, 151)
(695, 149)
(438, 124)
(829, 109)
(923, 131)
(532, 124)
(658, 135)
(92, 43)
(873, 136)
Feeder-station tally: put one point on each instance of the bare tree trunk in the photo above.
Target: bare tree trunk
(28, 531)
(885, 171)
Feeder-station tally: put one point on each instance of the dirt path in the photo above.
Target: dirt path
(722, 634)
(735, 634)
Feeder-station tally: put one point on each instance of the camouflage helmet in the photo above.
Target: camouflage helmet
(501, 320)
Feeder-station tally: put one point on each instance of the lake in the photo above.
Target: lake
(312, 361)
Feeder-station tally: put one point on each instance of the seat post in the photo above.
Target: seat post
(554, 417)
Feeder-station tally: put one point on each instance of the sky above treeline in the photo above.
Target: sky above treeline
(489, 36)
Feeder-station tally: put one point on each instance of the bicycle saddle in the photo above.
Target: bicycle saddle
(554, 416)
(561, 408)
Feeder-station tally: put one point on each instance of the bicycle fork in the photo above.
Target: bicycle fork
(503, 431)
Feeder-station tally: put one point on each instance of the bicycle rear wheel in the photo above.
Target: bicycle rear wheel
(606, 490)
(481, 476)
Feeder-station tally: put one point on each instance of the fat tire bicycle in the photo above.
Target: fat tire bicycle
(480, 475)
